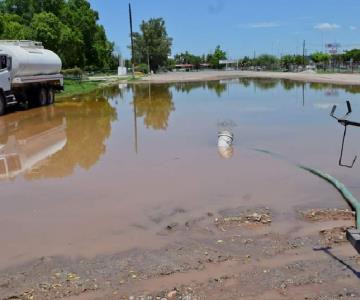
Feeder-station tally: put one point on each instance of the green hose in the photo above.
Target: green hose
(345, 193)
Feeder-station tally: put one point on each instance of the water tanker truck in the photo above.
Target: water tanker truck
(29, 74)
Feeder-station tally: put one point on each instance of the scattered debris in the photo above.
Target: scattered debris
(327, 214)
(161, 217)
(172, 294)
(251, 217)
(335, 235)
(72, 277)
(171, 226)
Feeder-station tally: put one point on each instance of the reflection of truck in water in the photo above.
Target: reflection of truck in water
(23, 149)
(29, 74)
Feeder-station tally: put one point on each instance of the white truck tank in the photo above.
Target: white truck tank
(30, 58)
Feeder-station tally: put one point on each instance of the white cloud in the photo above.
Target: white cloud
(260, 25)
(326, 26)
(353, 27)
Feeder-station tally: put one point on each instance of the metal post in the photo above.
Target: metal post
(132, 42)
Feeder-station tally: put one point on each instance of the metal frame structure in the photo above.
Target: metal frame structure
(345, 122)
(352, 234)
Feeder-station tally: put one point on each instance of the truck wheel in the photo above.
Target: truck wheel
(42, 97)
(51, 97)
(2, 104)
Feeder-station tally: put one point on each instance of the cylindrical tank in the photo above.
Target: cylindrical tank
(30, 58)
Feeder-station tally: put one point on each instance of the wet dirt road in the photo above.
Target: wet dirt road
(125, 186)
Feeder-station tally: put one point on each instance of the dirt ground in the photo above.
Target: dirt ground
(343, 79)
(229, 254)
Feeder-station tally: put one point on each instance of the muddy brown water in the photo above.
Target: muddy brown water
(108, 171)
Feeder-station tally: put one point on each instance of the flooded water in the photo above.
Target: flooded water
(108, 171)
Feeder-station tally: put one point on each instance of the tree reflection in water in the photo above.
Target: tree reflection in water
(88, 125)
(154, 104)
(186, 87)
(266, 84)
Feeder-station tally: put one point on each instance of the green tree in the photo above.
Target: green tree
(104, 49)
(13, 28)
(245, 62)
(299, 60)
(71, 47)
(78, 14)
(214, 58)
(2, 25)
(53, 6)
(353, 54)
(188, 58)
(46, 27)
(320, 57)
(22, 8)
(266, 60)
(152, 43)
(68, 27)
(286, 61)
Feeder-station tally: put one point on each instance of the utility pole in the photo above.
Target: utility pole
(304, 54)
(132, 42)
(148, 60)
(253, 62)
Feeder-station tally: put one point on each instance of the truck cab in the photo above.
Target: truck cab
(5, 80)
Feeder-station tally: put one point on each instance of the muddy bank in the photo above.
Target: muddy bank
(209, 263)
(341, 79)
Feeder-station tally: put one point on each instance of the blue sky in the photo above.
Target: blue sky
(239, 26)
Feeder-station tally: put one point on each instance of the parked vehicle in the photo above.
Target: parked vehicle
(29, 74)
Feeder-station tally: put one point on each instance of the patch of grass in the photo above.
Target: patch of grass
(133, 79)
(76, 87)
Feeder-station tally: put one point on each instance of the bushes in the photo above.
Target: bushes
(75, 73)
(142, 68)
